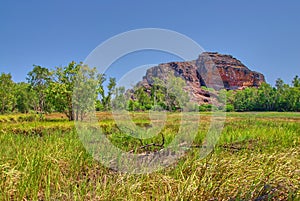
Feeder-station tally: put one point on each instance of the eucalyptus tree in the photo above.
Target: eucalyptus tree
(7, 87)
(39, 79)
(25, 98)
(105, 98)
(60, 90)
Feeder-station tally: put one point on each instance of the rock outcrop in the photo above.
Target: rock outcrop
(211, 70)
(233, 73)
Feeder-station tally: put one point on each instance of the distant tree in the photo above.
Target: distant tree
(279, 84)
(7, 87)
(133, 105)
(296, 81)
(143, 98)
(296, 93)
(292, 99)
(39, 79)
(267, 97)
(176, 97)
(166, 94)
(84, 92)
(105, 98)
(60, 91)
(242, 101)
(25, 99)
(158, 94)
(280, 100)
(119, 100)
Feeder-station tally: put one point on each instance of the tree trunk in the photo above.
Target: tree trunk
(71, 118)
(81, 115)
(77, 113)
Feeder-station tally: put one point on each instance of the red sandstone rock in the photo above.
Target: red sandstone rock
(232, 72)
(212, 70)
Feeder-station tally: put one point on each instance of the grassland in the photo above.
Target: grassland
(256, 158)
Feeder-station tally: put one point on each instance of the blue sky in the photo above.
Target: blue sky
(264, 35)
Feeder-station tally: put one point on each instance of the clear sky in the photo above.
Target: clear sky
(263, 34)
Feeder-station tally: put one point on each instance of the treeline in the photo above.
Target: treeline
(49, 91)
(76, 89)
(171, 96)
(282, 97)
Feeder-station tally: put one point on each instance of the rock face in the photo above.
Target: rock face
(233, 73)
(212, 70)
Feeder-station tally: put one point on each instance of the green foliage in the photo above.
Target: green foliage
(205, 107)
(268, 98)
(39, 79)
(74, 91)
(60, 92)
(168, 94)
(77, 89)
(105, 98)
(99, 106)
(49, 91)
(176, 97)
(84, 92)
(229, 108)
(7, 90)
(119, 101)
(208, 89)
(296, 81)
(133, 105)
(143, 97)
(26, 98)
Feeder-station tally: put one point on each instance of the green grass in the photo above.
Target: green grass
(256, 158)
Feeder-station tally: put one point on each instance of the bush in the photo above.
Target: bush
(207, 89)
(205, 107)
(229, 108)
(148, 106)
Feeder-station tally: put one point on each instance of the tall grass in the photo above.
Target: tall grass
(255, 159)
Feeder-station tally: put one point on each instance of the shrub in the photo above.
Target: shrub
(229, 108)
(205, 107)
